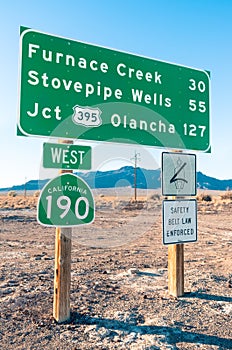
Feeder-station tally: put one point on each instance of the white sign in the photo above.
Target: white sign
(86, 116)
(178, 174)
(179, 221)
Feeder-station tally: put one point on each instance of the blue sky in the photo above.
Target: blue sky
(191, 33)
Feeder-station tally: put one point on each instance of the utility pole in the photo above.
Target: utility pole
(136, 159)
(25, 187)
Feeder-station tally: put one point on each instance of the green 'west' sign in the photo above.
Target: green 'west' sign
(71, 89)
(66, 156)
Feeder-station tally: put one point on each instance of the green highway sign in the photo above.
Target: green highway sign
(74, 90)
(66, 156)
(66, 201)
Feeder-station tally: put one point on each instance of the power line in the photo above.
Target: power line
(136, 159)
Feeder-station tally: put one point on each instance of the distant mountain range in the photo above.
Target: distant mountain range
(124, 177)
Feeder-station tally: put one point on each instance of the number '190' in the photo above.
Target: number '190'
(64, 203)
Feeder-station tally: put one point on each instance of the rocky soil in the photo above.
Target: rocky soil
(119, 283)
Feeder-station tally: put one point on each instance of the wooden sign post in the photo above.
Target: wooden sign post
(176, 269)
(62, 276)
(178, 181)
(66, 201)
(62, 273)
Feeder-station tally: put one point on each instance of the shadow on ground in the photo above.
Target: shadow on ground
(209, 297)
(173, 335)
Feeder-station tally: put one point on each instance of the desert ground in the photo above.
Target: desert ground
(119, 280)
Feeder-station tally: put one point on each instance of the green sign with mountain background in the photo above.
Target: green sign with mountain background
(74, 90)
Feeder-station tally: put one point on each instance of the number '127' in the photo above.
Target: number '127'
(194, 130)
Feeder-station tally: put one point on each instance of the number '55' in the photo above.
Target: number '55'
(197, 106)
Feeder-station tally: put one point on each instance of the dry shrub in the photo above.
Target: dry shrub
(36, 194)
(155, 196)
(11, 194)
(227, 195)
(205, 198)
